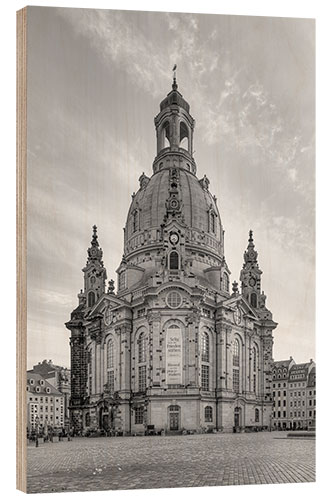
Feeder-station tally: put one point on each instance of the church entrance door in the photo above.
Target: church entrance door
(237, 417)
(174, 418)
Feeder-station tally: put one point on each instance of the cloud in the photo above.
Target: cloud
(114, 37)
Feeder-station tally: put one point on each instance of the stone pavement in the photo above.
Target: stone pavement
(87, 464)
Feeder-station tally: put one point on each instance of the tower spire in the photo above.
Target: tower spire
(250, 274)
(94, 241)
(174, 85)
(94, 252)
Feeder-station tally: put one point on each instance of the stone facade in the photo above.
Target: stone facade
(58, 377)
(45, 405)
(294, 395)
(174, 349)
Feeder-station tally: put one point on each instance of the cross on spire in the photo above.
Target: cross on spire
(174, 85)
(94, 241)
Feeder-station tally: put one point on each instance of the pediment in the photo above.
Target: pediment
(239, 301)
(108, 300)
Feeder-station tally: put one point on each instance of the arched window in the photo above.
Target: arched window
(235, 352)
(235, 362)
(256, 415)
(122, 281)
(253, 299)
(110, 365)
(91, 299)
(174, 260)
(135, 221)
(110, 354)
(166, 135)
(205, 347)
(184, 137)
(142, 348)
(208, 414)
(225, 282)
(142, 359)
(254, 369)
(254, 359)
(212, 222)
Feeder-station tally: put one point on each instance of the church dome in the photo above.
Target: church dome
(198, 209)
(173, 223)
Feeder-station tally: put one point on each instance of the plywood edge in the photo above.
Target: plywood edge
(21, 247)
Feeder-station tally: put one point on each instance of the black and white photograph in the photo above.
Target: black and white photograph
(170, 250)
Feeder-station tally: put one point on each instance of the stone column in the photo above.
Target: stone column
(219, 356)
(155, 349)
(192, 325)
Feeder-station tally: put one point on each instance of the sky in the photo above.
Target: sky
(95, 81)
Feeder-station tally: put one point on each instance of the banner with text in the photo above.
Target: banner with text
(174, 356)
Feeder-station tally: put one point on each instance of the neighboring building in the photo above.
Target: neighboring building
(311, 399)
(300, 403)
(59, 377)
(174, 349)
(45, 404)
(280, 378)
(294, 395)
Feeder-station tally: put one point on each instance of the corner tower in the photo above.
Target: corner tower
(94, 272)
(250, 275)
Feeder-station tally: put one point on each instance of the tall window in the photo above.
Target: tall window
(91, 299)
(110, 365)
(110, 354)
(225, 282)
(166, 135)
(208, 414)
(235, 353)
(212, 222)
(142, 348)
(139, 415)
(254, 300)
(174, 260)
(254, 370)
(205, 347)
(135, 221)
(184, 142)
(205, 377)
(256, 415)
(122, 280)
(142, 378)
(235, 362)
(235, 379)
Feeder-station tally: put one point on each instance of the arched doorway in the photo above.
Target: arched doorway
(104, 423)
(174, 418)
(237, 417)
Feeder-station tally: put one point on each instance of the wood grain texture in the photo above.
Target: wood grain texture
(21, 248)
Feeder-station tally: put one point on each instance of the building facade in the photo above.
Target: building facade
(174, 349)
(45, 405)
(294, 395)
(59, 377)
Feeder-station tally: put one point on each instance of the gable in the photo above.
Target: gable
(108, 300)
(239, 301)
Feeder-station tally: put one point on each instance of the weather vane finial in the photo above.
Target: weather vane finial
(174, 85)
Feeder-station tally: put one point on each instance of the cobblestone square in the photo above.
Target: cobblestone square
(88, 464)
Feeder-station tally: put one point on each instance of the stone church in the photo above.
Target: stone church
(173, 349)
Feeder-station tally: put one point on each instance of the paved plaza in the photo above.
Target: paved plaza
(170, 461)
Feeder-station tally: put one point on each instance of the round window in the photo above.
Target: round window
(174, 300)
